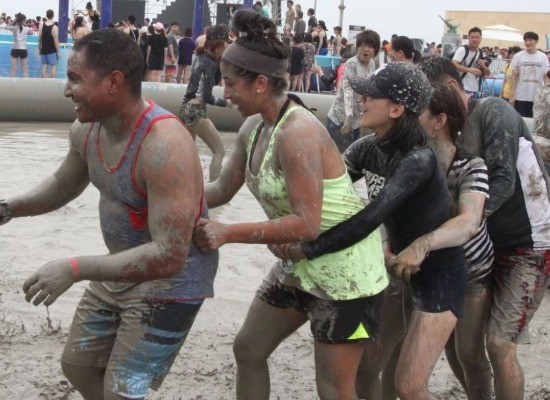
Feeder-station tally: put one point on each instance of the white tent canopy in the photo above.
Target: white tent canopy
(502, 33)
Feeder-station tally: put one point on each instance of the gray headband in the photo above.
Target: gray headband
(255, 62)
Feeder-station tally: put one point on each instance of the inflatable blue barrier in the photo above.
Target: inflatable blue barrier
(34, 63)
(492, 86)
(327, 63)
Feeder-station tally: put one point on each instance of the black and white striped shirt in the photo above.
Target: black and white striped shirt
(468, 174)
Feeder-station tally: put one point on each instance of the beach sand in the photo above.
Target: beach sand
(30, 345)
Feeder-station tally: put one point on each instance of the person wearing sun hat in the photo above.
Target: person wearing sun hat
(411, 199)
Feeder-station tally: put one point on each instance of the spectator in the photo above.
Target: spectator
(319, 35)
(265, 9)
(337, 42)
(296, 64)
(508, 72)
(186, 48)
(199, 42)
(529, 73)
(334, 79)
(156, 52)
(300, 25)
(79, 29)
(131, 28)
(290, 15)
(93, 16)
(144, 34)
(344, 117)
(344, 45)
(205, 74)
(470, 63)
(49, 46)
(19, 49)
(384, 53)
(230, 13)
(312, 21)
(261, 8)
(309, 60)
(402, 49)
(71, 23)
(172, 53)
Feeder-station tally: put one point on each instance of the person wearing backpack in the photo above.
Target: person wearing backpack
(471, 63)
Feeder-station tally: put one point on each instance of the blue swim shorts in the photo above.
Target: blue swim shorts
(49, 59)
(135, 340)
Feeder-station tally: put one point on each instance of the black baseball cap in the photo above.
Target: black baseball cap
(403, 83)
(218, 32)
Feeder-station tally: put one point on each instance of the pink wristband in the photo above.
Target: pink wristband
(75, 272)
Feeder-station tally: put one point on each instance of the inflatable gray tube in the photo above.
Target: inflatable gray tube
(37, 99)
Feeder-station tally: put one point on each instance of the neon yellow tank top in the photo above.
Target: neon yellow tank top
(351, 273)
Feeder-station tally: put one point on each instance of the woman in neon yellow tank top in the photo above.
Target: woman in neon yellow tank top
(294, 169)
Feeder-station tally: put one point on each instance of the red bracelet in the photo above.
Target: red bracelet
(75, 272)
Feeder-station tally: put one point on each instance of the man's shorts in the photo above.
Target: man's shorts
(169, 66)
(520, 280)
(19, 53)
(48, 59)
(136, 341)
(191, 113)
(331, 321)
(438, 290)
(525, 108)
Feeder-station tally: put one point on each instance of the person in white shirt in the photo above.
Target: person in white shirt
(470, 63)
(530, 68)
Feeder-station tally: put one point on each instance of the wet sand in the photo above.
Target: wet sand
(30, 346)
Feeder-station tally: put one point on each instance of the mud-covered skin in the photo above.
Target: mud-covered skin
(355, 272)
(414, 201)
(123, 210)
(492, 132)
(204, 76)
(172, 207)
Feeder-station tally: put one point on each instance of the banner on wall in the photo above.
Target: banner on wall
(353, 31)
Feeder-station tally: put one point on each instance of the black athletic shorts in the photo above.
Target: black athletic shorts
(19, 53)
(440, 289)
(155, 64)
(331, 321)
(525, 108)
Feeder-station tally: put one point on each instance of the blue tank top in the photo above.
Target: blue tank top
(123, 218)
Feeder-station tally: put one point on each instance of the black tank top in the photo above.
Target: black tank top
(47, 45)
(134, 34)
